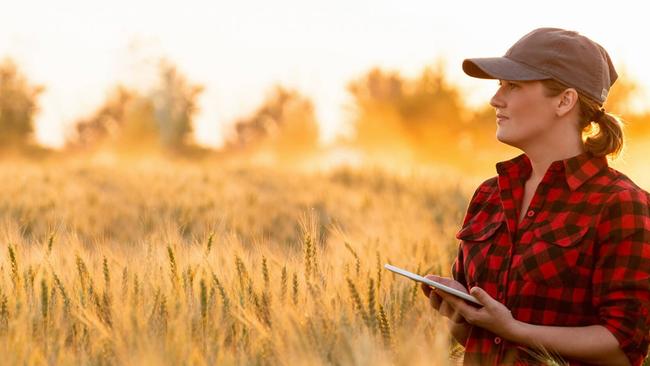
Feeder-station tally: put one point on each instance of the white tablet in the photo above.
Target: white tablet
(431, 283)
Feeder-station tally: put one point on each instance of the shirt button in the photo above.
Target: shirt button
(497, 340)
(530, 213)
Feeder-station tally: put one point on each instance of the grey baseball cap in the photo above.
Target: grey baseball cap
(551, 53)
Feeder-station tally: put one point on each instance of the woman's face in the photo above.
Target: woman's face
(524, 113)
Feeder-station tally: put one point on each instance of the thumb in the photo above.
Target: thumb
(481, 295)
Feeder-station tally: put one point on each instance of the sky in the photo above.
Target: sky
(80, 49)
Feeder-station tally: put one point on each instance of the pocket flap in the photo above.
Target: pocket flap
(480, 227)
(565, 232)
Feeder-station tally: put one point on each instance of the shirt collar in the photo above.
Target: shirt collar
(577, 169)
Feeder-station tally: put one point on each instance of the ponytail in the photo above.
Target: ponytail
(602, 132)
(608, 139)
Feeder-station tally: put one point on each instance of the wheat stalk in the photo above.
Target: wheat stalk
(283, 284)
(125, 283)
(309, 256)
(15, 276)
(372, 313)
(265, 273)
(64, 294)
(384, 326)
(82, 273)
(356, 298)
(173, 268)
(225, 301)
(379, 271)
(204, 311)
(208, 247)
(357, 261)
(50, 242)
(4, 314)
(294, 293)
(44, 310)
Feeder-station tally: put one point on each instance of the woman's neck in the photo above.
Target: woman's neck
(541, 159)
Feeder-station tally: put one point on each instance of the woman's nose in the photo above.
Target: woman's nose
(497, 100)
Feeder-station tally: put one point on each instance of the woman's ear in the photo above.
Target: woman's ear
(566, 101)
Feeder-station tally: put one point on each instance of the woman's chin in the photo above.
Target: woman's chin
(502, 137)
(508, 140)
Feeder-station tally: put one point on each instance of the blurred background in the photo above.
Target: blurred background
(308, 84)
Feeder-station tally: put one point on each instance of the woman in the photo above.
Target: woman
(557, 246)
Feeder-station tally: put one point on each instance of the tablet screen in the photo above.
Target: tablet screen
(431, 283)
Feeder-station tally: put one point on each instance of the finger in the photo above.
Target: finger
(482, 296)
(447, 305)
(452, 299)
(452, 283)
(433, 277)
(425, 289)
(465, 310)
(448, 311)
(435, 300)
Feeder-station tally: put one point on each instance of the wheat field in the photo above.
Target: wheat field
(159, 262)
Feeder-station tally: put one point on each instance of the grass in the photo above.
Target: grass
(177, 264)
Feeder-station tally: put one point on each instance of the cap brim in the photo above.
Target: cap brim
(500, 68)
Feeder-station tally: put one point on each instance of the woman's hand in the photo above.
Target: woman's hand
(437, 302)
(493, 316)
(591, 344)
(459, 328)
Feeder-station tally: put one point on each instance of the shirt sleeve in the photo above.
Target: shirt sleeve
(621, 281)
(457, 267)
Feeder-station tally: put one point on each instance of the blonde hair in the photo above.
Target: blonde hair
(609, 139)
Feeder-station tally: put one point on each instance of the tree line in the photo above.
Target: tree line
(392, 115)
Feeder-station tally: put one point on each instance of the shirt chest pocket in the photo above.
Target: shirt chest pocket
(552, 254)
(480, 262)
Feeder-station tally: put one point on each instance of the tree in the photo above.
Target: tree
(136, 121)
(415, 118)
(18, 106)
(175, 103)
(285, 123)
(107, 121)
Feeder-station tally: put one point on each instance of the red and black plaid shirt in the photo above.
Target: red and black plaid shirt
(581, 255)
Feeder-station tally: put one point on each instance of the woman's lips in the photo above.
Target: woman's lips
(501, 118)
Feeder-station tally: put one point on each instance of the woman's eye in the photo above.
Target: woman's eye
(508, 85)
